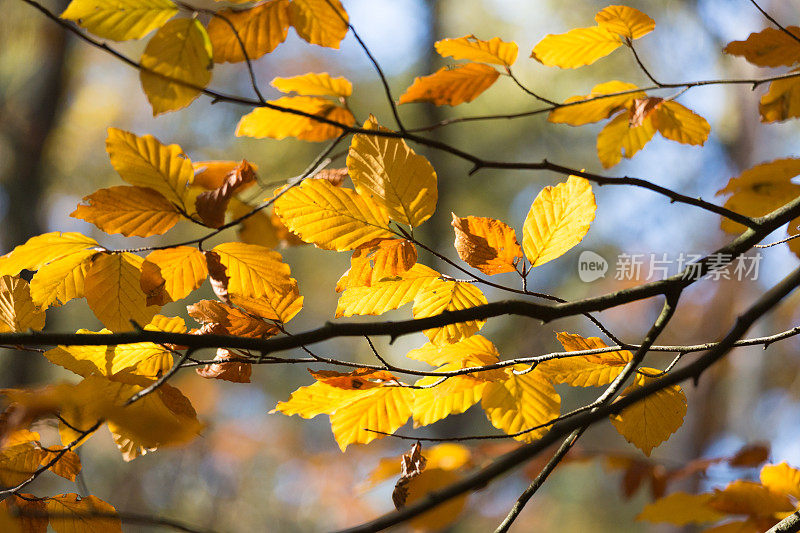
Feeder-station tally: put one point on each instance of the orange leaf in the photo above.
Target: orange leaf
(770, 47)
(222, 319)
(131, 211)
(322, 22)
(451, 86)
(486, 244)
(211, 205)
(358, 379)
(234, 371)
(377, 260)
(261, 29)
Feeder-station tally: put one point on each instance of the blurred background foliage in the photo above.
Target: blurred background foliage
(251, 471)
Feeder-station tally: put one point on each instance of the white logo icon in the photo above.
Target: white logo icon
(591, 266)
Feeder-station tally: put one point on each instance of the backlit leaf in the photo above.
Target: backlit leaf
(70, 513)
(378, 260)
(558, 220)
(651, 421)
(264, 122)
(260, 28)
(469, 47)
(222, 319)
(233, 371)
(618, 138)
(487, 244)
(131, 211)
(120, 20)
(578, 47)
(182, 268)
(596, 110)
(68, 464)
(181, 50)
(453, 396)
(451, 86)
(520, 403)
(17, 310)
(584, 370)
(440, 296)
(770, 47)
(677, 123)
(257, 228)
(358, 379)
(313, 84)
(18, 463)
(750, 498)
(42, 249)
(782, 101)
(475, 350)
(389, 171)
(382, 409)
(145, 162)
(626, 21)
(322, 22)
(680, 508)
(211, 205)
(317, 399)
(781, 478)
(386, 295)
(333, 218)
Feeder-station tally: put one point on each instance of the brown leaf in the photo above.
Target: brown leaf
(643, 108)
(32, 512)
(334, 175)
(211, 205)
(153, 284)
(217, 276)
(359, 379)
(411, 465)
(750, 456)
(234, 371)
(222, 319)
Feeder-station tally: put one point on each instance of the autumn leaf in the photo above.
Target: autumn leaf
(390, 172)
(475, 350)
(441, 296)
(120, 20)
(386, 295)
(782, 101)
(625, 21)
(358, 379)
(579, 114)
(770, 47)
(18, 463)
(222, 319)
(70, 513)
(145, 162)
(585, 370)
(495, 50)
(451, 86)
(131, 211)
(68, 464)
(180, 50)
(381, 409)
(42, 249)
(521, 402)
(17, 309)
(411, 465)
(234, 371)
(651, 421)
(438, 518)
(261, 29)
(378, 260)
(212, 174)
(258, 228)
(264, 122)
(447, 456)
(619, 139)
(315, 84)
(750, 498)
(677, 123)
(322, 22)
(680, 508)
(332, 218)
(487, 244)
(182, 268)
(576, 48)
(316, 399)
(558, 220)
(211, 205)
(453, 396)
(782, 479)
(30, 514)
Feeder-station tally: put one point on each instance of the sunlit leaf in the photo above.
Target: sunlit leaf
(386, 295)
(131, 211)
(68, 464)
(578, 47)
(781, 478)
(626, 21)
(782, 101)
(120, 20)
(233, 371)
(558, 220)
(264, 122)
(315, 84)
(441, 296)
(619, 139)
(475, 350)
(495, 50)
(182, 268)
(378, 260)
(680, 508)
(42, 249)
(17, 310)
(260, 28)
(383, 409)
(181, 50)
(453, 396)
(431, 480)
(222, 319)
(322, 22)
(677, 123)
(211, 205)
(70, 513)
(770, 47)
(750, 498)
(317, 399)
(451, 86)
(598, 109)
(257, 228)
(18, 463)
(358, 379)
(585, 370)
(487, 244)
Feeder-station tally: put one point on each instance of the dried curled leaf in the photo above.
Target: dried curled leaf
(211, 205)
(234, 371)
(411, 465)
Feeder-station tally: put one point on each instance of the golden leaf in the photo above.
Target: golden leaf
(145, 162)
(520, 403)
(383, 409)
(260, 28)
(781, 478)
(120, 20)
(70, 513)
(441, 296)
(770, 47)
(17, 310)
(181, 50)
(475, 350)
(595, 110)
(680, 508)
(453, 396)
(211, 205)
(18, 463)
(495, 51)
(264, 122)
(626, 21)
(618, 139)
(317, 399)
(212, 174)
(333, 218)
(313, 84)
(451, 86)
(487, 244)
(677, 123)
(651, 421)
(558, 220)
(750, 498)
(42, 249)
(182, 268)
(358, 379)
(223, 319)
(114, 294)
(782, 101)
(322, 22)
(585, 370)
(391, 173)
(386, 295)
(378, 260)
(30, 514)
(131, 211)
(257, 228)
(576, 48)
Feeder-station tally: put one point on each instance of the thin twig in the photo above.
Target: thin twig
(775, 22)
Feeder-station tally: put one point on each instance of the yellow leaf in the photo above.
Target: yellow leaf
(487, 244)
(170, 324)
(131, 211)
(578, 47)
(681, 508)
(626, 21)
(618, 138)
(558, 220)
(313, 84)
(42, 249)
(431, 480)
(391, 173)
(677, 123)
(383, 296)
(181, 51)
(760, 189)
(451, 86)
(182, 268)
(750, 498)
(782, 479)
(770, 47)
(651, 421)
(257, 228)
(584, 370)
(782, 101)
(382, 409)
(260, 273)
(322, 22)
(120, 20)
(17, 310)
(333, 218)
(141, 358)
(495, 51)
(67, 465)
(62, 280)
(520, 403)
(453, 396)
(70, 513)
(145, 162)
(264, 122)
(18, 463)
(596, 110)
(475, 350)
(114, 294)
(317, 399)
(440, 296)
(378, 260)
(260, 28)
